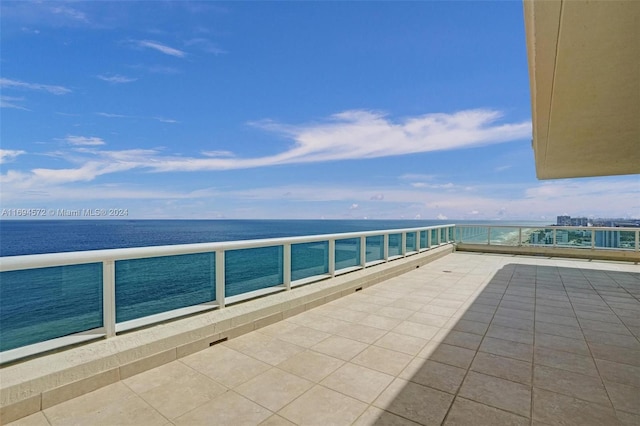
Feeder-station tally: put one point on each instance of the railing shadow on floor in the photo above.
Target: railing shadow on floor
(482, 371)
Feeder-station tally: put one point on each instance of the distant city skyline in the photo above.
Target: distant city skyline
(309, 110)
(567, 220)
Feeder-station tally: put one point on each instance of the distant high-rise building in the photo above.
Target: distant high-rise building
(579, 221)
(563, 221)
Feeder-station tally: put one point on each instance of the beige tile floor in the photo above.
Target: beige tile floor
(470, 339)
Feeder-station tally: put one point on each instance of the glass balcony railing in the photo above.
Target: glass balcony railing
(53, 300)
(574, 237)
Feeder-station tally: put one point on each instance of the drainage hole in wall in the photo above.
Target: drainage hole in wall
(218, 341)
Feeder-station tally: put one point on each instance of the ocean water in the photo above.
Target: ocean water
(45, 303)
(21, 237)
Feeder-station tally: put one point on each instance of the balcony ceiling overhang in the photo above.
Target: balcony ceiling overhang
(584, 72)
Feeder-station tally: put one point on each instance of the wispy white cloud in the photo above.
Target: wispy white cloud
(109, 115)
(363, 134)
(166, 120)
(448, 185)
(11, 102)
(160, 119)
(84, 140)
(502, 168)
(116, 79)
(206, 45)
(218, 154)
(360, 135)
(163, 48)
(348, 135)
(71, 13)
(16, 84)
(7, 155)
(28, 30)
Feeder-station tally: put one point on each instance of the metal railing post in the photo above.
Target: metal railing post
(488, 235)
(555, 235)
(286, 266)
(429, 238)
(637, 240)
(363, 251)
(418, 237)
(403, 244)
(220, 278)
(520, 236)
(109, 297)
(332, 257)
(385, 247)
(593, 239)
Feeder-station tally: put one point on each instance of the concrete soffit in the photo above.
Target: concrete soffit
(584, 73)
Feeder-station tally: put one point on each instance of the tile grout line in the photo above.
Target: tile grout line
(533, 357)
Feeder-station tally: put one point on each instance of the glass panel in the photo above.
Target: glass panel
(628, 240)
(452, 233)
(434, 237)
(395, 245)
(504, 236)
(575, 238)
(541, 237)
(443, 235)
(424, 243)
(474, 234)
(411, 241)
(347, 253)
(45, 303)
(610, 239)
(526, 235)
(375, 248)
(160, 284)
(309, 259)
(252, 269)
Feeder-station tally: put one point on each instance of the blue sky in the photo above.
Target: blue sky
(278, 110)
